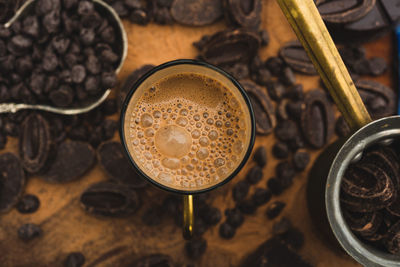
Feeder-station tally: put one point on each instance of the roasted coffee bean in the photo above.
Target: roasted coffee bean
(234, 217)
(240, 190)
(285, 171)
(73, 160)
(34, 143)
(10, 189)
(287, 76)
(261, 196)
(239, 71)
(342, 129)
(276, 90)
(282, 226)
(262, 76)
(379, 99)
(195, 248)
(263, 108)
(117, 166)
(377, 66)
(286, 130)
(280, 150)
(154, 260)
(247, 206)
(254, 175)
(153, 216)
(260, 156)
(301, 160)
(212, 216)
(342, 11)
(110, 199)
(28, 204)
(226, 231)
(293, 238)
(74, 259)
(274, 65)
(274, 252)
(296, 57)
(275, 186)
(230, 46)
(317, 119)
(275, 209)
(243, 14)
(196, 13)
(29, 231)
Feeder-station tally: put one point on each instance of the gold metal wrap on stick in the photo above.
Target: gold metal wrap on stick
(309, 27)
(188, 217)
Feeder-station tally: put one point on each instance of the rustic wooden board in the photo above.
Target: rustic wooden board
(113, 242)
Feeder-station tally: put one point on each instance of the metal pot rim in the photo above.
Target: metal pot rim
(374, 132)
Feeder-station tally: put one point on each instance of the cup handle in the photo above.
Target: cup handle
(188, 217)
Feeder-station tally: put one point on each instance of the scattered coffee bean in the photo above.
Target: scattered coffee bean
(28, 204)
(261, 196)
(240, 190)
(227, 231)
(301, 160)
(275, 186)
(195, 248)
(254, 175)
(243, 15)
(260, 156)
(10, 189)
(29, 231)
(234, 217)
(213, 216)
(280, 150)
(196, 13)
(247, 206)
(74, 259)
(296, 57)
(275, 209)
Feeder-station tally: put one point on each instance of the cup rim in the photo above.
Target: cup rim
(372, 133)
(198, 63)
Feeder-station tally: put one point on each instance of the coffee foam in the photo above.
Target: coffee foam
(187, 131)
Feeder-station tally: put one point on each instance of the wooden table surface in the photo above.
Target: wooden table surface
(113, 242)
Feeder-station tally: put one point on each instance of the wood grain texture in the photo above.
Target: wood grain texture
(114, 242)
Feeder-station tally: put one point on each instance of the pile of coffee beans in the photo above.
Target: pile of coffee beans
(370, 200)
(8, 9)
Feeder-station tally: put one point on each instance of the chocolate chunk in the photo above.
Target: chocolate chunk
(344, 11)
(317, 119)
(377, 66)
(73, 160)
(226, 231)
(260, 156)
(286, 130)
(117, 166)
(195, 248)
(379, 99)
(296, 57)
(275, 209)
(247, 206)
(245, 14)
(34, 143)
(28, 204)
(275, 186)
(74, 259)
(63, 96)
(78, 74)
(10, 189)
(110, 199)
(240, 190)
(287, 76)
(212, 216)
(230, 46)
(276, 90)
(254, 175)
(196, 12)
(274, 65)
(263, 108)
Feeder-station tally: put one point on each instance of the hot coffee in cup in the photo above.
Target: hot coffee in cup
(187, 127)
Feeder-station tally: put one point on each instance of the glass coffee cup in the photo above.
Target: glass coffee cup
(187, 127)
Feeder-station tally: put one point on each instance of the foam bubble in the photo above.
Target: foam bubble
(157, 114)
(196, 117)
(149, 132)
(238, 147)
(171, 163)
(213, 135)
(203, 141)
(181, 121)
(183, 112)
(146, 120)
(173, 141)
(196, 134)
(202, 153)
(166, 177)
(219, 162)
